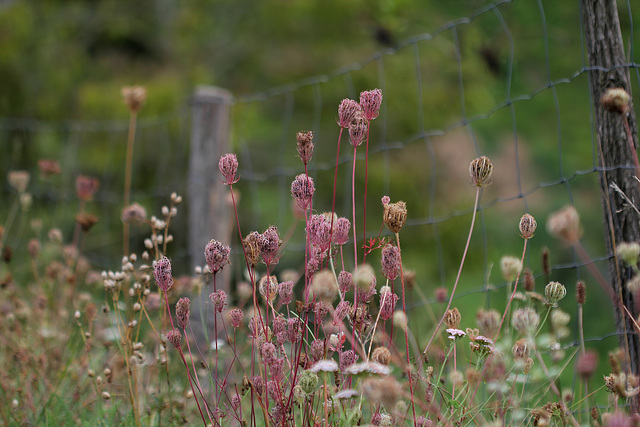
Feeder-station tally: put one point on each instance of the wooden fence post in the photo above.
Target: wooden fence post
(622, 224)
(209, 216)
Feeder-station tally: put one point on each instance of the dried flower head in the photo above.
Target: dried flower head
(236, 316)
(285, 290)
(269, 243)
(382, 390)
(629, 252)
(19, 180)
(565, 224)
(305, 146)
(381, 355)
(86, 221)
(633, 284)
(49, 168)
(528, 226)
(400, 319)
(341, 231)
(347, 358)
(394, 216)
(480, 171)
(581, 292)
(364, 277)
(217, 255)
(345, 281)
(529, 280)
(174, 337)
(525, 320)
(134, 97)
(268, 287)
(134, 214)
(251, 246)
(324, 286)
(308, 381)
(219, 300)
(228, 165)
(86, 187)
(358, 130)
(390, 262)
(521, 349)
(162, 273)
(616, 100)
(510, 267)
(302, 189)
(347, 111)
(452, 318)
(554, 292)
(388, 301)
(183, 312)
(488, 321)
(370, 102)
(587, 364)
(441, 294)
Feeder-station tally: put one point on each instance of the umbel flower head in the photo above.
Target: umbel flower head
(358, 130)
(347, 111)
(394, 216)
(134, 97)
(528, 226)
(554, 292)
(162, 273)
(305, 146)
(302, 189)
(370, 102)
(228, 165)
(480, 171)
(183, 312)
(565, 224)
(217, 255)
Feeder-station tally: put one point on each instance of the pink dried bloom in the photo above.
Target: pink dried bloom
(295, 329)
(162, 273)
(302, 189)
(305, 146)
(276, 368)
(236, 316)
(319, 231)
(235, 401)
(386, 200)
(268, 352)
(86, 187)
(269, 243)
(219, 300)
(370, 102)
(347, 111)
(285, 290)
(228, 165)
(364, 295)
(183, 312)
(341, 231)
(388, 301)
(279, 324)
(342, 310)
(33, 248)
(134, 214)
(347, 358)
(320, 310)
(258, 384)
(268, 287)
(345, 281)
(217, 255)
(49, 167)
(175, 337)
(390, 262)
(358, 131)
(316, 350)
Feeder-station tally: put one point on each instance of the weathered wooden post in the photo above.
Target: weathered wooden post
(209, 216)
(622, 224)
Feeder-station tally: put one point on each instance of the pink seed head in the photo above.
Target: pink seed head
(174, 337)
(305, 146)
(228, 165)
(370, 102)
(236, 316)
(285, 290)
(358, 130)
(347, 111)
(217, 255)
(219, 300)
(269, 243)
(183, 312)
(345, 281)
(302, 189)
(341, 231)
(162, 273)
(390, 262)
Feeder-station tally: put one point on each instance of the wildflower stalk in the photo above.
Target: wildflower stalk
(335, 181)
(353, 204)
(364, 202)
(455, 285)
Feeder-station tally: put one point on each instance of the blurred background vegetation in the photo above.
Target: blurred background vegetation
(460, 79)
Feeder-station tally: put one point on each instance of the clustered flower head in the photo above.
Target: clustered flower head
(565, 224)
(511, 267)
(452, 318)
(358, 130)
(217, 255)
(219, 300)
(134, 214)
(86, 187)
(390, 262)
(269, 243)
(285, 290)
(347, 111)
(525, 320)
(388, 301)
(228, 165)
(305, 146)
(527, 226)
(554, 292)
(183, 312)
(341, 231)
(370, 102)
(134, 97)
(394, 216)
(302, 189)
(162, 273)
(480, 171)
(251, 245)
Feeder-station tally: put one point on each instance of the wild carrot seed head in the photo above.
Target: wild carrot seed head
(134, 214)
(341, 231)
(370, 102)
(236, 316)
(219, 300)
(390, 262)
(302, 189)
(565, 224)
(347, 111)
(183, 312)
(285, 290)
(394, 216)
(527, 226)
(525, 320)
(162, 273)
(305, 146)
(345, 281)
(554, 292)
(86, 187)
(480, 171)
(358, 130)
(217, 255)
(269, 243)
(251, 245)
(452, 318)
(134, 97)
(228, 165)
(510, 267)
(175, 338)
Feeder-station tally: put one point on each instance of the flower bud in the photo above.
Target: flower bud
(554, 292)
